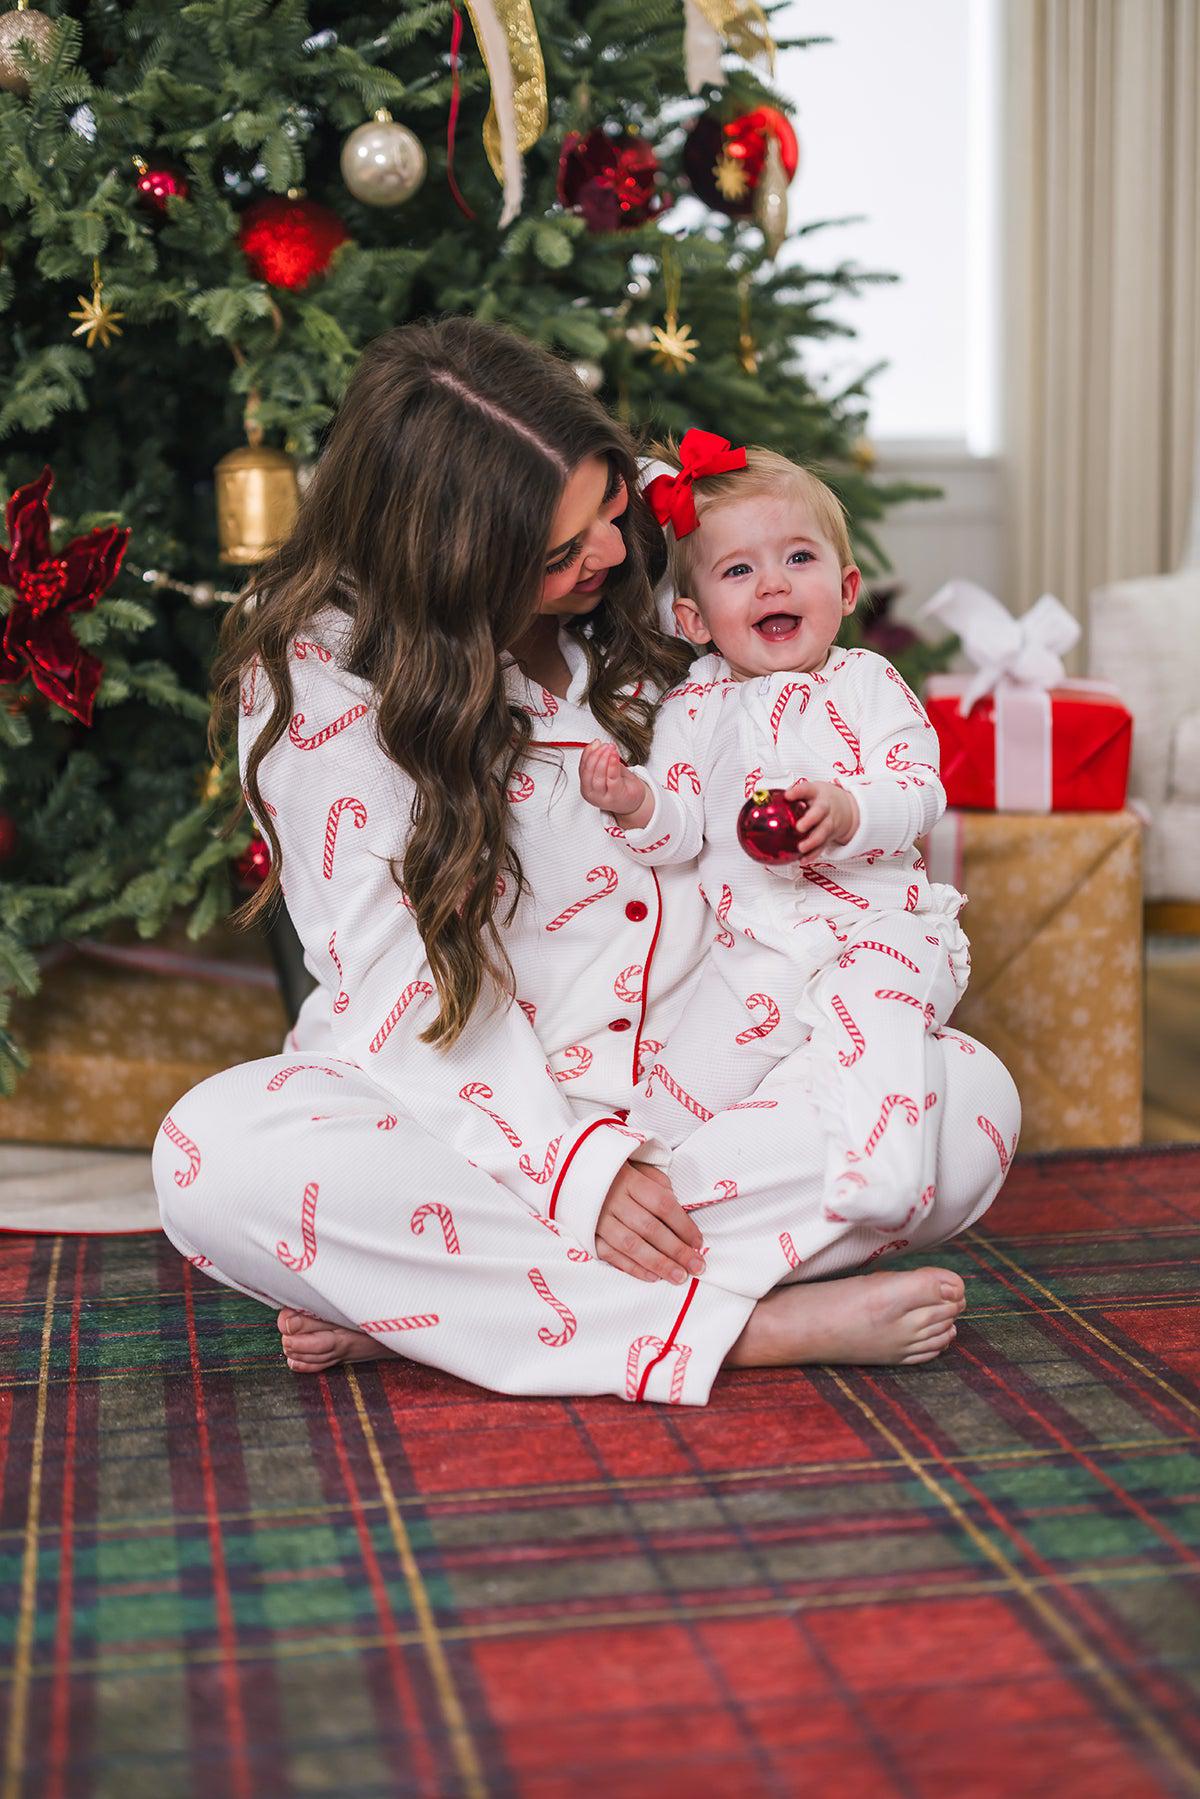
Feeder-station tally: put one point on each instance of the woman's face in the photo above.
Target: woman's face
(584, 540)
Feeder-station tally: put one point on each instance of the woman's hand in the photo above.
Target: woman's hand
(605, 782)
(643, 1230)
(831, 816)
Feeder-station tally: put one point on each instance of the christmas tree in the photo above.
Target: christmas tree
(208, 209)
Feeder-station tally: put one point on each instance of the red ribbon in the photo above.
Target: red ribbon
(452, 123)
(701, 453)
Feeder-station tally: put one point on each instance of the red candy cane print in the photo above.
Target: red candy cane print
(789, 1249)
(893, 1102)
(199, 1261)
(308, 1233)
(549, 705)
(911, 898)
(849, 738)
(646, 1051)
(894, 674)
(343, 998)
(647, 849)
(963, 1044)
(724, 936)
(752, 781)
(852, 1031)
(285, 1074)
(380, 1327)
(755, 1003)
(171, 1131)
(832, 888)
(895, 759)
(680, 771)
(909, 999)
(602, 873)
(885, 1249)
(840, 935)
(753, 1105)
(580, 1056)
(473, 1092)
(846, 959)
(247, 689)
(323, 736)
(1004, 1152)
(358, 813)
(722, 1190)
(530, 1010)
(628, 985)
(414, 990)
(671, 1086)
(444, 1217)
(302, 648)
(634, 1389)
(780, 706)
(388, 1122)
(522, 787)
(541, 1175)
(553, 1339)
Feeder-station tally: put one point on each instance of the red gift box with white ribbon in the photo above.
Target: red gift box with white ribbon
(1018, 735)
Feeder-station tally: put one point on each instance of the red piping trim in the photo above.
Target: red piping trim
(637, 1036)
(670, 1342)
(562, 1173)
(41, 1230)
(555, 743)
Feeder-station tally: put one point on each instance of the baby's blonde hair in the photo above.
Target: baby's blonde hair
(767, 475)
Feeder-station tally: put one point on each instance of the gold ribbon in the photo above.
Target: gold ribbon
(508, 42)
(742, 24)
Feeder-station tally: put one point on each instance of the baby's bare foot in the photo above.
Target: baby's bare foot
(870, 1318)
(311, 1345)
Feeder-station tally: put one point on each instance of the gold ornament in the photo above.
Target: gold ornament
(210, 784)
(22, 27)
(257, 499)
(674, 345)
(864, 455)
(747, 348)
(770, 199)
(730, 177)
(97, 319)
(383, 164)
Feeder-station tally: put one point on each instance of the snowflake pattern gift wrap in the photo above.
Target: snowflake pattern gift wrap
(115, 1037)
(1054, 914)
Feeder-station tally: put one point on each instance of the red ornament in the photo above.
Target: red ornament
(287, 242)
(768, 826)
(611, 178)
(155, 186)
(38, 640)
(8, 836)
(724, 160)
(253, 865)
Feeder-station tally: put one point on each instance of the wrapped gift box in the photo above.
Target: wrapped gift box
(114, 1045)
(1054, 916)
(1029, 750)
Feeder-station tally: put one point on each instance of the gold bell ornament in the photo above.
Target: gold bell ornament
(257, 500)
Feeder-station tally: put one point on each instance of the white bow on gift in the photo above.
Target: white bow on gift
(1025, 651)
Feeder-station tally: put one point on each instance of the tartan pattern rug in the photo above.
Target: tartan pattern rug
(966, 1580)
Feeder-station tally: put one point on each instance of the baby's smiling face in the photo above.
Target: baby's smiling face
(769, 591)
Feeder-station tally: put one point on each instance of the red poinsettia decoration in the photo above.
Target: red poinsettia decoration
(38, 639)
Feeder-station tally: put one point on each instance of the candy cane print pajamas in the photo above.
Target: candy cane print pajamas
(445, 1200)
(859, 949)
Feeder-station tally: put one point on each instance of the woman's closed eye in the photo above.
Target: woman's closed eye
(614, 492)
(571, 554)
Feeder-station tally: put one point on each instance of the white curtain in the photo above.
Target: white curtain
(1101, 353)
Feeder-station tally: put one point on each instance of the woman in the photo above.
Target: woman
(438, 1166)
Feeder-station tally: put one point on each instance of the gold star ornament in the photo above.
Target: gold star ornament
(730, 178)
(674, 345)
(97, 319)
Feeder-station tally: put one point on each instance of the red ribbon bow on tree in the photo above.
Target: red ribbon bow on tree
(38, 639)
(701, 453)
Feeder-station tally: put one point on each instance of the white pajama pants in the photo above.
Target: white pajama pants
(869, 1011)
(298, 1190)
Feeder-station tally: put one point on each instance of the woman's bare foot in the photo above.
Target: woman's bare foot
(311, 1345)
(902, 1317)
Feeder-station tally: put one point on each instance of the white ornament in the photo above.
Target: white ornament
(383, 164)
(590, 373)
(640, 337)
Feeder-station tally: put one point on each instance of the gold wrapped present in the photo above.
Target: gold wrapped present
(120, 1031)
(1054, 915)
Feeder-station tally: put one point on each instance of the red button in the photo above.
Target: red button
(621, 1112)
(620, 1024)
(636, 909)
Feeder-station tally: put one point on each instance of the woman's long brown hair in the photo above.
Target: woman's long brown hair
(427, 521)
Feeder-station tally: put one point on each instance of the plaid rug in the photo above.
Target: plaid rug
(966, 1580)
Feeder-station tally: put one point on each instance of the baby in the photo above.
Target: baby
(852, 943)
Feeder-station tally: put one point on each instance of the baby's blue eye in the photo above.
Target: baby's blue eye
(801, 555)
(738, 568)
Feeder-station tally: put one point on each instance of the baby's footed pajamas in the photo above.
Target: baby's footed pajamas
(859, 951)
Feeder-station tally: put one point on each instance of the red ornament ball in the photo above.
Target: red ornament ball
(724, 159)
(253, 865)
(156, 185)
(611, 178)
(287, 242)
(768, 826)
(8, 836)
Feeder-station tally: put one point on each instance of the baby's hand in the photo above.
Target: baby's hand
(606, 783)
(831, 816)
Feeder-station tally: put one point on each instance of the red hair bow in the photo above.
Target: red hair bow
(701, 453)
